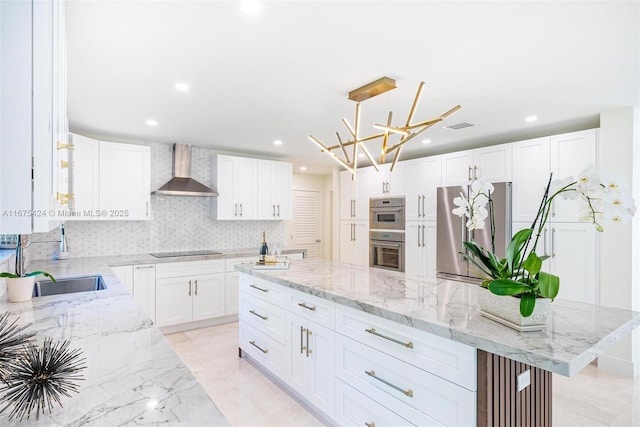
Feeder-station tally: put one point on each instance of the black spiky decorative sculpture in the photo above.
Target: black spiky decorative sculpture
(12, 339)
(39, 377)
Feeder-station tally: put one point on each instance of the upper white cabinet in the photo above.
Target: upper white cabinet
(274, 189)
(493, 164)
(235, 179)
(385, 183)
(32, 115)
(423, 177)
(111, 181)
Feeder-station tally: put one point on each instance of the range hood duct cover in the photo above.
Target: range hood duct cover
(181, 183)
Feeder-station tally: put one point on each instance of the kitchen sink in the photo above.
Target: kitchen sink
(69, 285)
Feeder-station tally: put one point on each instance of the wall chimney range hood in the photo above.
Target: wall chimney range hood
(181, 183)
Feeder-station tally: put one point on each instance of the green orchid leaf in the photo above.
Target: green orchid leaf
(9, 275)
(508, 287)
(515, 247)
(545, 257)
(482, 268)
(549, 285)
(476, 252)
(533, 264)
(44, 273)
(527, 304)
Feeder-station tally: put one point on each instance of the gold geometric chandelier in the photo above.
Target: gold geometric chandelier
(404, 133)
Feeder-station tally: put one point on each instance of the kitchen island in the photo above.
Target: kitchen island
(133, 376)
(443, 315)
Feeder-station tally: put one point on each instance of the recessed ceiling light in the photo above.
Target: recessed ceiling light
(531, 119)
(303, 168)
(151, 122)
(182, 87)
(277, 142)
(426, 141)
(252, 8)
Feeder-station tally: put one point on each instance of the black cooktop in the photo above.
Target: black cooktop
(184, 253)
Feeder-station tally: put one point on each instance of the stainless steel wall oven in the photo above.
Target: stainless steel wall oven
(386, 250)
(386, 213)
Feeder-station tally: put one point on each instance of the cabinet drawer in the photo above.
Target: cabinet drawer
(266, 351)
(230, 263)
(387, 379)
(265, 317)
(262, 289)
(311, 307)
(189, 268)
(355, 409)
(448, 359)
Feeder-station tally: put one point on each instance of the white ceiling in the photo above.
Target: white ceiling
(286, 73)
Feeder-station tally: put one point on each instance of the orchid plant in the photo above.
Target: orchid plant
(603, 196)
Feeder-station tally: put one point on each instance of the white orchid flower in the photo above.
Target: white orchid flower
(481, 186)
(462, 206)
(614, 182)
(588, 179)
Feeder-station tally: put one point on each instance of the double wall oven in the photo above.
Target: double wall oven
(386, 235)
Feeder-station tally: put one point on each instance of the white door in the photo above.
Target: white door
(173, 301)
(321, 367)
(530, 177)
(414, 253)
(307, 222)
(208, 296)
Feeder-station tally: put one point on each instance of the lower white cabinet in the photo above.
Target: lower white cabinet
(311, 372)
(182, 298)
(231, 283)
(140, 281)
(354, 242)
(420, 249)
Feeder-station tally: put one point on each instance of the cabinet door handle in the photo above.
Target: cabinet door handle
(302, 347)
(419, 214)
(274, 210)
(544, 241)
(308, 349)
(141, 267)
(278, 210)
(147, 209)
(259, 315)
(419, 244)
(189, 288)
(304, 305)
(423, 228)
(258, 288)
(253, 343)
(354, 208)
(475, 173)
(196, 289)
(469, 173)
(240, 209)
(553, 242)
(407, 392)
(405, 344)
(235, 209)
(423, 213)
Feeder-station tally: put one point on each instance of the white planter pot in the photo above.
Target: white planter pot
(20, 289)
(506, 310)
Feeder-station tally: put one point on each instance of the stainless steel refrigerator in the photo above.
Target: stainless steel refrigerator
(452, 231)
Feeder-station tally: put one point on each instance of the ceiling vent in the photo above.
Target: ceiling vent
(459, 126)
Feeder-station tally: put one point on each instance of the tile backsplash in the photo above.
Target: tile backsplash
(178, 223)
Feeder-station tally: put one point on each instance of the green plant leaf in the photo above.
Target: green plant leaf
(478, 255)
(527, 304)
(508, 287)
(9, 275)
(515, 247)
(533, 264)
(549, 285)
(44, 273)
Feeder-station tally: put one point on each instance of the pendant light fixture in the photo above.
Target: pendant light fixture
(405, 133)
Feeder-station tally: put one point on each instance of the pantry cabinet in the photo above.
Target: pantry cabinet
(421, 248)
(189, 291)
(493, 164)
(111, 181)
(354, 242)
(274, 189)
(33, 122)
(423, 177)
(354, 195)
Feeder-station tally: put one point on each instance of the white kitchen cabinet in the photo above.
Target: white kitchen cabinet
(124, 273)
(140, 281)
(311, 372)
(354, 242)
(423, 177)
(420, 249)
(33, 119)
(384, 183)
(231, 284)
(493, 164)
(111, 181)
(573, 253)
(354, 194)
(274, 189)
(183, 297)
(236, 180)
(531, 169)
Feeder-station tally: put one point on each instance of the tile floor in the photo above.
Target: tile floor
(248, 398)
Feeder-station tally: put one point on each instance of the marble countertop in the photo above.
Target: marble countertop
(133, 376)
(575, 335)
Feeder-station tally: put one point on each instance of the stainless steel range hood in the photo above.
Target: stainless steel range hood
(181, 183)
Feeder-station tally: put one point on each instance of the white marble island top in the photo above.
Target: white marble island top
(133, 376)
(576, 333)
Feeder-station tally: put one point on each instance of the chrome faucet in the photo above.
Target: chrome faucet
(20, 247)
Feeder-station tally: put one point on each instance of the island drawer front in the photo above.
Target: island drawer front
(387, 379)
(310, 307)
(265, 350)
(259, 288)
(265, 317)
(448, 359)
(355, 409)
(189, 268)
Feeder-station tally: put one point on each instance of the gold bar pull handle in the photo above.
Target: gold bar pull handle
(253, 343)
(61, 146)
(64, 164)
(407, 392)
(258, 288)
(304, 305)
(371, 424)
(302, 347)
(259, 315)
(405, 344)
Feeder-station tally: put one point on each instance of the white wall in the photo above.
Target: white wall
(619, 151)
